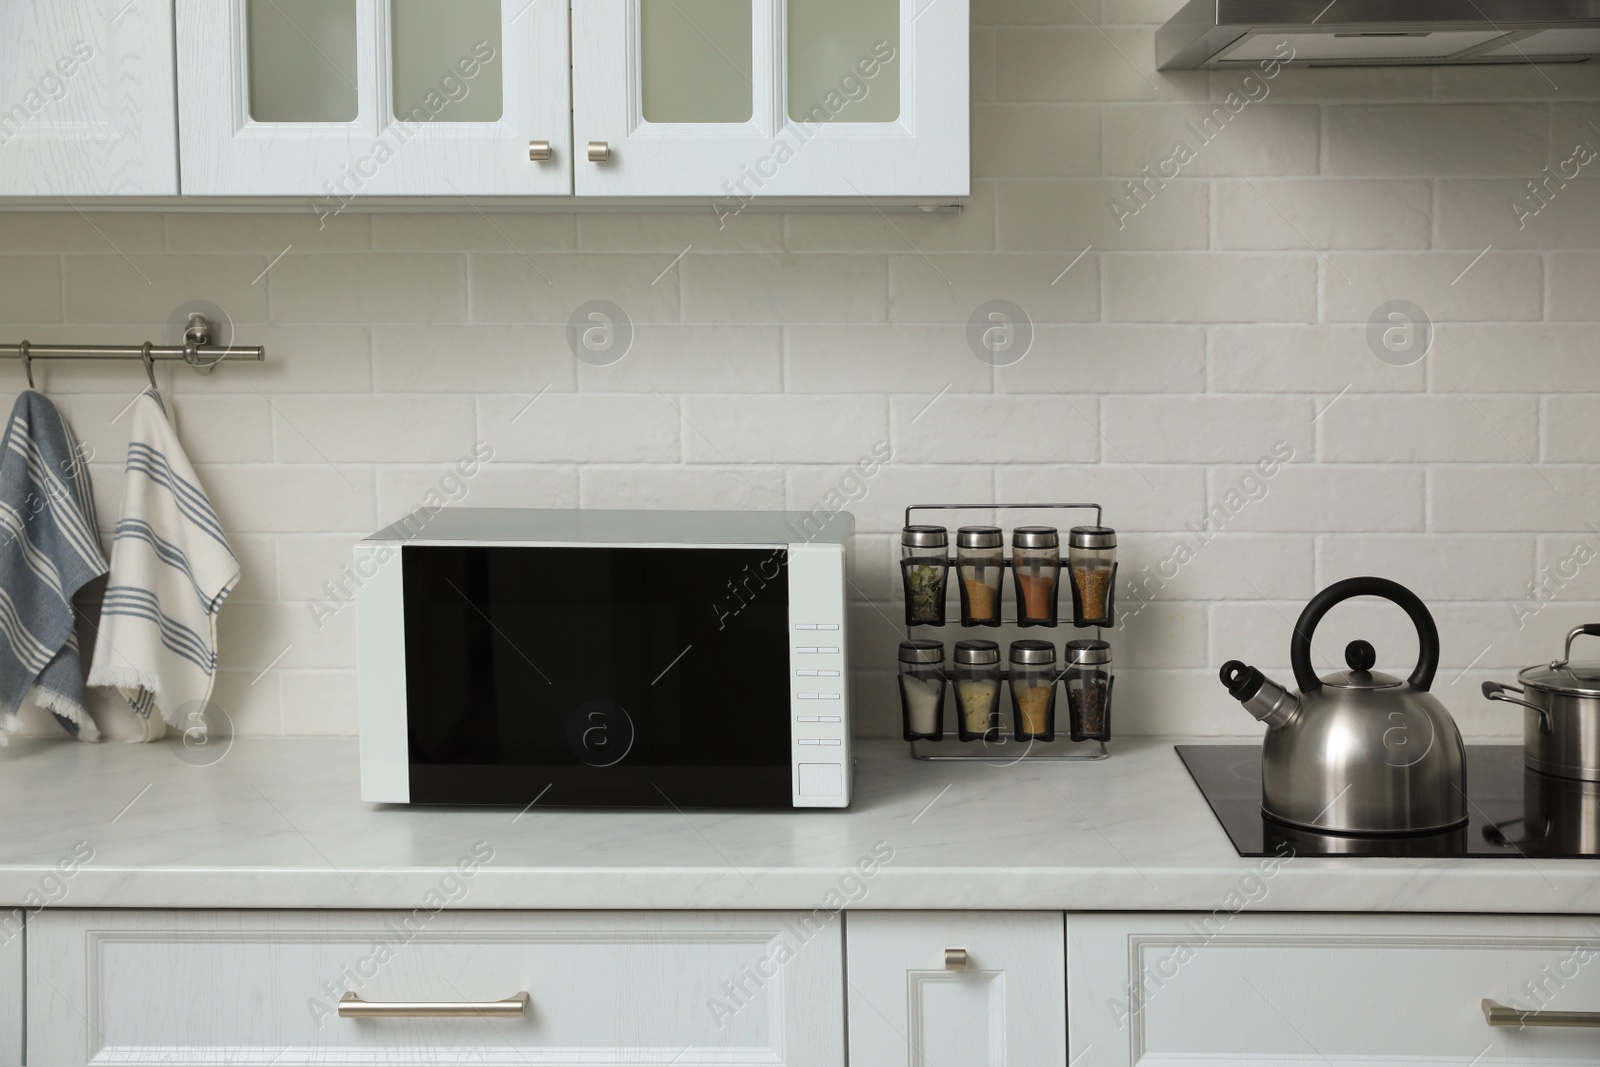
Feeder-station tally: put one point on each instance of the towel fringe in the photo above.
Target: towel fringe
(69, 709)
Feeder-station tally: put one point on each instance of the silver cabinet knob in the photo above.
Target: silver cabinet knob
(955, 959)
(599, 152)
(538, 151)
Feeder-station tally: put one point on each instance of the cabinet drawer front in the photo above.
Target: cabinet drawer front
(113, 987)
(1001, 1004)
(1279, 989)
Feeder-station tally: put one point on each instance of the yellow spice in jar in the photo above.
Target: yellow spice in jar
(1034, 706)
(981, 599)
(977, 698)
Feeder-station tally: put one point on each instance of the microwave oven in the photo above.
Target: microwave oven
(585, 658)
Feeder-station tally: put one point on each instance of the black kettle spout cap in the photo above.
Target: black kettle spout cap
(1241, 681)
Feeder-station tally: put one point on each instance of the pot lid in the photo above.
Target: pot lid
(1574, 679)
(1564, 676)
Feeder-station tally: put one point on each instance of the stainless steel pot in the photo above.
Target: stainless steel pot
(1561, 713)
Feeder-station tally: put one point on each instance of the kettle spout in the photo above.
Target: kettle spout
(1260, 695)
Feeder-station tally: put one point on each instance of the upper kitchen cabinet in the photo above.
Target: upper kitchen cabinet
(337, 99)
(735, 99)
(86, 101)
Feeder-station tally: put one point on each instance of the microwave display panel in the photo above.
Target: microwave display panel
(597, 676)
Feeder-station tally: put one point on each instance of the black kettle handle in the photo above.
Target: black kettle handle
(1338, 593)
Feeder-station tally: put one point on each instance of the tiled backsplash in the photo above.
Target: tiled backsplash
(1180, 341)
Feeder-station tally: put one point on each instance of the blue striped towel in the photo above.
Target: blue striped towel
(171, 569)
(49, 549)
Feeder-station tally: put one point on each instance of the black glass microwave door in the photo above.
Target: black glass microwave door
(597, 676)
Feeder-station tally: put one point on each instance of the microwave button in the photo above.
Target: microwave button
(808, 696)
(827, 626)
(828, 718)
(808, 718)
(827, 696)
(829, 674)
(812, 674)
(827, 651)
(807, 650)
(810, 741)
(829, 741)
(805, 626)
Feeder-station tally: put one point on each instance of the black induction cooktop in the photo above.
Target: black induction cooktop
(1512, 811)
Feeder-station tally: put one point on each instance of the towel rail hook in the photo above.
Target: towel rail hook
(27, 362)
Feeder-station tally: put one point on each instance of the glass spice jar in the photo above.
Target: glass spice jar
(1033, 690)
(1036, 570)
(922, 690)
(981, 566)
(1092, 566)
(977, 685)
(1088, 681)
(924, 566)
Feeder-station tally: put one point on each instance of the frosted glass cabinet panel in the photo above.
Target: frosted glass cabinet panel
(697, 57)
(843, 98)
(430, 40)
(302, 60)
(844, 58)
(86, 99)
(339, 99)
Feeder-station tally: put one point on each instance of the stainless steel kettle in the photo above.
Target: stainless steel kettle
(1357, 752)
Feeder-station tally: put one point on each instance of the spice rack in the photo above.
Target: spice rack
(1002, 742)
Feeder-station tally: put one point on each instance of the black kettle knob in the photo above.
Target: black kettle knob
(1360, 656)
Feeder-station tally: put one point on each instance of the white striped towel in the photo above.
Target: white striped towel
(49, 549)
(171, 569)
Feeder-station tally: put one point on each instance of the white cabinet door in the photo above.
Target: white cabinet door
(12, 922)
(613, 989)
(337, 99)
(735, 99)
(1381, 991)
(1005, 1008)
(86, 100)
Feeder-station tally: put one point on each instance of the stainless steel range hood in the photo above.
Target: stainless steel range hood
(1220, 34)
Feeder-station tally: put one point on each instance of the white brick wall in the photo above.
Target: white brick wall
(1226, 316)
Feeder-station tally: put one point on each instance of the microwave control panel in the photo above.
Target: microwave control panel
(819, 676)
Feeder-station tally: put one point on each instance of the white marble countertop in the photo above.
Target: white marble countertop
(279, 824)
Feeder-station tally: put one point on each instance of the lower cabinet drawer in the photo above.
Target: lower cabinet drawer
(263, 988)
(956, 989)
(1384, 991)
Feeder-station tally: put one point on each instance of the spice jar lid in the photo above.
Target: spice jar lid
(980, 537)
(922, 651)
(977, 653)
(924, 536)
(1035, 537)
(1088, 653)
(1033, 652)
(1092, 537)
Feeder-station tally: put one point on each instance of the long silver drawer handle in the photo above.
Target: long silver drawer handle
(1497, 1014)
(353, 1007)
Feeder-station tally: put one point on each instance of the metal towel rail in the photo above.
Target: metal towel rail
(197, 351)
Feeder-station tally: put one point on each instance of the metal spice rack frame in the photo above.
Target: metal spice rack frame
(990, 751)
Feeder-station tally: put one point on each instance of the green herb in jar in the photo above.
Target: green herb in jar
(925, 591)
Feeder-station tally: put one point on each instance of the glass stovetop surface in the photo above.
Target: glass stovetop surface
(1512, 811)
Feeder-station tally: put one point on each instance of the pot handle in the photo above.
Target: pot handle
(1496, 691)
(1588, 629)
(1338, 593)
